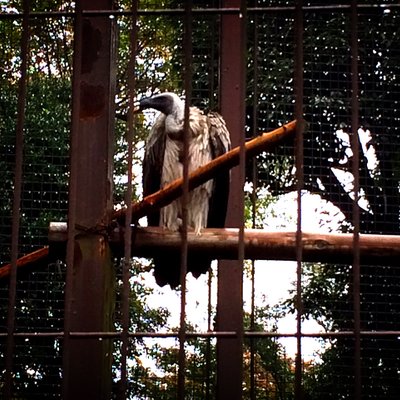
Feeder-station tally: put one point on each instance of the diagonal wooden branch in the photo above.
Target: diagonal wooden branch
(228, 160)
(172, 191)
(25, 260)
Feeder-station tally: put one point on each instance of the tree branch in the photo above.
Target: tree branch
(25, 260)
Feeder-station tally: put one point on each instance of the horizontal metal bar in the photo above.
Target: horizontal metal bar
(151, 334)
(34, 334)
(211, 334)
(204, 11)
(237, 10)
(323, 334)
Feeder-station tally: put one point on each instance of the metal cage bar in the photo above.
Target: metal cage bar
(200, 10)
(123, 387)
(87, 366)
(187, 78)
(230, 273)
(356, 190)
(19, 148)
(299, 93)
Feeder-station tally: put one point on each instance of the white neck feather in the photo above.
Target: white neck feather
(175, 121)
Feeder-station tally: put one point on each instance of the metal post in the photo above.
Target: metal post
(130, 134)
(19, 150)
(230, 273)
(299, 153)
(187, 44)
(355, 146)
(90, 275)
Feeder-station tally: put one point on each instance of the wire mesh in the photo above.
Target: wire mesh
(39, 308)
(333, 296)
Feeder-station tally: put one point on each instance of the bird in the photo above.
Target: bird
(163, 163)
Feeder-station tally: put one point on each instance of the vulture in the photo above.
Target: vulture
(163, 163)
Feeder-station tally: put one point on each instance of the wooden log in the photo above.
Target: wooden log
(264, 245)
(259, 244)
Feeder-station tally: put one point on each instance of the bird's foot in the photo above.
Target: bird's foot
(173, 227)
(196, 231)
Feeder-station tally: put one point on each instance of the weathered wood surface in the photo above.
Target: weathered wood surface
(263, 245)
(259, 244)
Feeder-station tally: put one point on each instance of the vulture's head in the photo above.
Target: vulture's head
(168, 103)
(172, 106)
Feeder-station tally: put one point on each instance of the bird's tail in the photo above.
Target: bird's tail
(167, 269)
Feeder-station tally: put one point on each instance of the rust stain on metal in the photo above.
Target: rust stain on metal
(92, 45)
(92, 100)
(102, 246)
(77, 254)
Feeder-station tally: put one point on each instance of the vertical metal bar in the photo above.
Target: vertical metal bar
(185, 194)
(252, 328)
(19, 144)
(230, 273)
(90, 275)
(128, 196)
(208, 345)
(252, 314)
(213, 59)
(356, 188)
(72, 190)
(254, 205)
(298, 79)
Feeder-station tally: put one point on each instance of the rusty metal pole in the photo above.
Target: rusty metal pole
(89, 302)
(230, 273)
(355, 146)
(7, 390)
(299, 154)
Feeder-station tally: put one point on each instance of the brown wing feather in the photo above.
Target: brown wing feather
(220, 143)
(219, 140)
(152, 164)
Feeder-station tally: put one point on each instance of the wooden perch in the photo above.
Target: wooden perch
(228, 160)
(25, 260)
(263, 245)
(259, 244)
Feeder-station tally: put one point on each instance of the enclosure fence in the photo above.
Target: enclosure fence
(304, 300)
